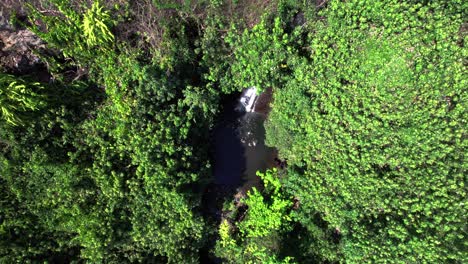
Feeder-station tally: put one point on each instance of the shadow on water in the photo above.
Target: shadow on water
(228, 159)
(257, 156)
(228, 153)
(239, 151)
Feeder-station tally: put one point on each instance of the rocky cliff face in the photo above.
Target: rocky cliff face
(19, 47)
(17, 51)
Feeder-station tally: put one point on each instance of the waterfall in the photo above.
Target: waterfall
(248, 98)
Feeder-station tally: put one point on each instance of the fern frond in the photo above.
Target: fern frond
(95, 27)
(17, 97)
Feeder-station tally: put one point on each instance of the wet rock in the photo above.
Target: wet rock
(298, 19)
(19, 46)
(262, 105)
(18, 53)
(19, 41)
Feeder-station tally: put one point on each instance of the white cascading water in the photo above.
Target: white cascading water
(248, 98)
(240, 149)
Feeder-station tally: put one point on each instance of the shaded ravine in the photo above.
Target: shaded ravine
(239, 144)
(239, 151)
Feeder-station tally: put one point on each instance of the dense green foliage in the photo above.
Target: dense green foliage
(255, 238)
(373, 124)
(115, 178)
(108, 159)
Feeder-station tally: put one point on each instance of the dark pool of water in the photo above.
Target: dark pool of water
(240, 150)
